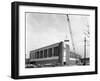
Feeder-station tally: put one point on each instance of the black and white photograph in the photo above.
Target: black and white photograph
(54, 40)
(51, 40)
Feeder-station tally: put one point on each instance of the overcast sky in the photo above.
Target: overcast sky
(45, 29)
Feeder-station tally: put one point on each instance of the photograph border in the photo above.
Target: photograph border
(15, 39)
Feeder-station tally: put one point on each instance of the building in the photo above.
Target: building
(57, 54)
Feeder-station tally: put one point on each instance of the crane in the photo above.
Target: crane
(70, 30)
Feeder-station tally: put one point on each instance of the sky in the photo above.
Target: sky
(43, 29)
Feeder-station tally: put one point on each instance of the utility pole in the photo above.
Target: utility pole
(87, 35)
(25, 59)
(84, 51)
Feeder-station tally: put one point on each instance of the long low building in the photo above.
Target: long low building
(58, 53)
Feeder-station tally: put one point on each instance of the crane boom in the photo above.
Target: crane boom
(70, 30)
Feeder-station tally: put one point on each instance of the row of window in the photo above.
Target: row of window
(45, 53)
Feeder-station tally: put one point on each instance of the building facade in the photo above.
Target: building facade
(57, 54)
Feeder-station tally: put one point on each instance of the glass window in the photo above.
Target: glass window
(50, 52)
(41, 54)
(37, 54)
(45, 53)
(56, 51)
(33, 55)
(30, 55)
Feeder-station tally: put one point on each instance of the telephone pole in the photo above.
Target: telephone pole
(84, 51)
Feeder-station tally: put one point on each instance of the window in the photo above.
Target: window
(31, 55)
(45, 53)
(37, 54)
(56, 51)
(50, 52)
(41, 54)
